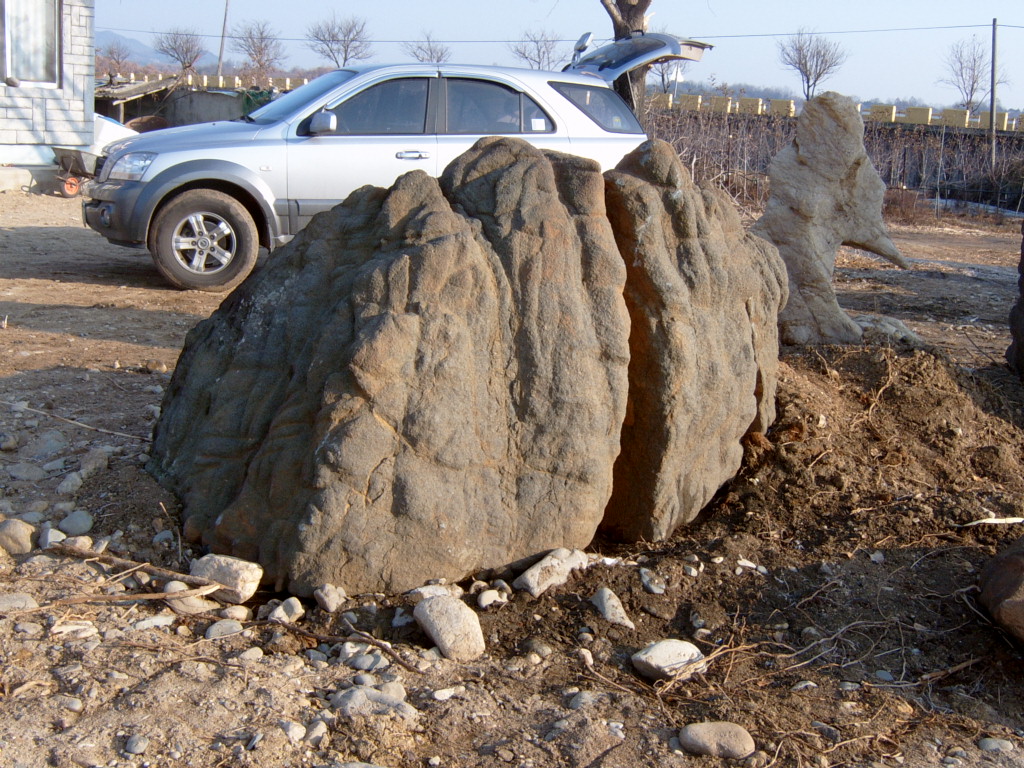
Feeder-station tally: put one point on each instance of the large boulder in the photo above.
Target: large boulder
(1002, 588)
(429, 380)
(1015, 354)
(824, 193)
(703, 297)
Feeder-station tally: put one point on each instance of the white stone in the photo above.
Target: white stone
(188, 606)
(11, 602)
(717, 739)
(288, 612)
(453, 626)
(94, 461)
(70, 484)
(490, 597)
(363, 702)
(669, 659)
(294, 731)
(16, 537)
(49, 537)
(553, 570)
(223, 628)
(137, 744)
(251, 654)
(155, 622)
(434, 590)
(78, 523)
(315, 733)
(237, 612)
(329, 597)
(610, 607)
(240, 578)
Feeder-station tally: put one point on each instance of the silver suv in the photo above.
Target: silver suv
(204, 198)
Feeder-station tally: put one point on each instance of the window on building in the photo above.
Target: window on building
(30, 40)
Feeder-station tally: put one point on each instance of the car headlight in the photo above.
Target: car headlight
(132, 166)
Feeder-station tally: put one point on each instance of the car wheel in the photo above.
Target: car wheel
(204, 240)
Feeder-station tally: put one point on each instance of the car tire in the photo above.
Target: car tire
(204, 240)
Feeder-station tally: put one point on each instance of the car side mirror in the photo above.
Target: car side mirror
(581, 45)
(323, 122)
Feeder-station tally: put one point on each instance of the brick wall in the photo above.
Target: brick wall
(32, 119)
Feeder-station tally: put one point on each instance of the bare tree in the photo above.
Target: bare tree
(264, 52)
(118, 54)
(183, 45)
(339, 40)
(813, 57)
(969, 71)
(629, 16)
(667, 73)
(428, 50)
(539, 50)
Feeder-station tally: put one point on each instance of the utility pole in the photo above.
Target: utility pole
(223, 34)
(992, 97)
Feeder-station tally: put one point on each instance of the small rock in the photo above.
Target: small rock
(96, 460)
(877, 557)
(330, 598)
(434, 590)
(804, 685)
(155, 622)
(70, 484)
(360, 701)
(288, 612)
(315, 733)
(240, 578)
(188, 605)
(453, 626)
(164, 537)
(995, 745)
(717, 739)
(491, 597)
(237, 612)
(368, 662)
(78, 523)
(78, 542)
(8, 442)
(652, 582)
(137, 744)
(294, 731)
(691, 571)
(827, 731)
(70, 703)
(551, 571)
(585, 699)
(884, 675)
(10, 602)
(443, 694)
(29, 628)
(223, 628)
(849, 685)
(16, 537)
(251, 654)
(669, 659)
(26, 473)
(49, 537)
(610, 607)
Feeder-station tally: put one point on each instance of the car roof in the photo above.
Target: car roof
(532, 76)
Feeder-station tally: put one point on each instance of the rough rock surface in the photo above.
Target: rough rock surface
(1002, 588)
(704, 298)
(825, 192)
(423, 384)
(1015, 354)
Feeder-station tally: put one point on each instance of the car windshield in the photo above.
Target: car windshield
(287, 104)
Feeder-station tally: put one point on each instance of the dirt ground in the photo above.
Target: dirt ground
(859, 642)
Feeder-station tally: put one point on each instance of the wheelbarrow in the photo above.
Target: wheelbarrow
(73, 167)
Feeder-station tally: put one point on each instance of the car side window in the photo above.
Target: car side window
(484, 108)
(394, 107)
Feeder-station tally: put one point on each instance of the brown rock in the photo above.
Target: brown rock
(422, 384)
(1002, 588)
(704, 298)
(1015, 354)
(824, 193)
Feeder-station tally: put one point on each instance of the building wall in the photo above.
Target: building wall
(33, 119)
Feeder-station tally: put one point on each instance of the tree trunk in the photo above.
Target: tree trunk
(630, 16)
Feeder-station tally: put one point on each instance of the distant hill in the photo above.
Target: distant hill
(145, 55)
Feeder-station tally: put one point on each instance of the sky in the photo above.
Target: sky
(895, 48)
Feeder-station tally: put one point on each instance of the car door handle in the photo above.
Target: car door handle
(413, 154)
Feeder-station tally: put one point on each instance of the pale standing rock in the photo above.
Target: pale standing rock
(70, 484)
(551, 571)
(16, 537)
(669, 659)
(717, 739)
(453, 626)
(240, 578)
(288, 612)
(49, 537)
(96, 460)
(610, 607)
(824, 193)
